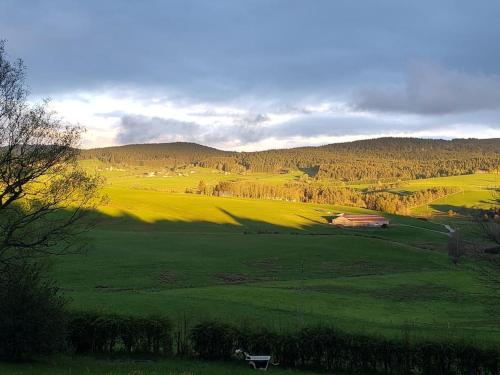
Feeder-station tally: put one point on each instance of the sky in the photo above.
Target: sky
(257, 74)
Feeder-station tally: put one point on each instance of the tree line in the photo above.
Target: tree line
(316, 192)
(383, 158)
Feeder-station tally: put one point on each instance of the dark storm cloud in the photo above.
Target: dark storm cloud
(265, 57)
(255, 128)
(144, 129)
(430, 89)
(323, 125)
(218, 50)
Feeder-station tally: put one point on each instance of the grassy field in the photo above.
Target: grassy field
(474, 191)
(273, 263)
(92, 366)
(157, 250)
(177, 181)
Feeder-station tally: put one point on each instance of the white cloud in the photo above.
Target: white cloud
(114, 117)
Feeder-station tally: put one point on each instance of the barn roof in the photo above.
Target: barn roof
(363, 217)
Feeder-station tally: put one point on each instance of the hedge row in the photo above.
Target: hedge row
(108, 333)
(325, 348)
(319, 347)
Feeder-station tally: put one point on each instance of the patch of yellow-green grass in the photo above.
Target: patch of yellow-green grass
(459, 203)
(156, 205)
(178, 180)
(478, 181)
(153, 206)
(473, 191)
(206, 212)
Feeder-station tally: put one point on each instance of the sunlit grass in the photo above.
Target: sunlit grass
(274, 263)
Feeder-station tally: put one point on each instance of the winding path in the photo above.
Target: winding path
(448, 228)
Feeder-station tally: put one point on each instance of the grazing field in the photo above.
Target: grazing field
(274, 263)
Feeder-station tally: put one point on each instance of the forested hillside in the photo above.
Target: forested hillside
(376, 159)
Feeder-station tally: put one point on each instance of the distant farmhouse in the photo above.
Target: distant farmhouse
(352, 220)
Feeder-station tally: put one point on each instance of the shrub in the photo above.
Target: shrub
(109, 333)
(32, 313)
(325, 348)
(213, 340)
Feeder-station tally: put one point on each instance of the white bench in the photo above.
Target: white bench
(260, 362)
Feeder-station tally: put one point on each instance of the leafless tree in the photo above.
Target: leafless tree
(43, 193)
(455, 247)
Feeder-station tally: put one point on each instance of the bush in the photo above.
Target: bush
(32, 314)
(109, 333)
(213, 340)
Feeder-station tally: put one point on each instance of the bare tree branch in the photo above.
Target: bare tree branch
(44, 195)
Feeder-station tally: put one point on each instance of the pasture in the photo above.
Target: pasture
(273, 263)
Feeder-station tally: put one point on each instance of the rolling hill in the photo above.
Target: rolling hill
(376, 159)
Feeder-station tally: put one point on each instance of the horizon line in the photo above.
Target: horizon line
(286, 148)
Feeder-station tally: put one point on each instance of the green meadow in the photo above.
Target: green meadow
(177, 181)
(474, 191)
(158, 250)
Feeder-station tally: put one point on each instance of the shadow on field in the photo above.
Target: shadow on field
(446, 208)
(414, 232)
(236, 224)
(470, 212)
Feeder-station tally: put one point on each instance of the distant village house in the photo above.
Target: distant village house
(360, 220)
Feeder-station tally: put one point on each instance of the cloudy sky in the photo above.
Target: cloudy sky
(258, 74)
